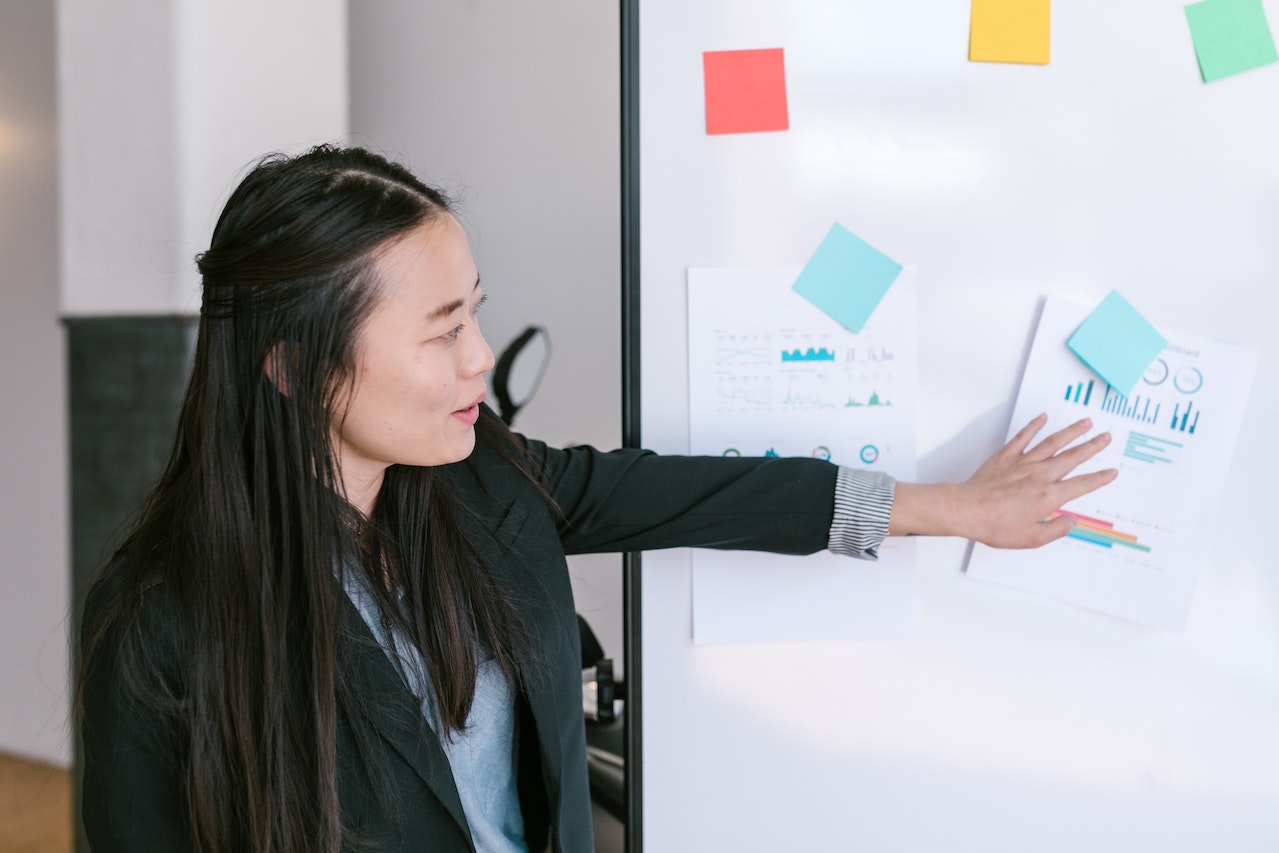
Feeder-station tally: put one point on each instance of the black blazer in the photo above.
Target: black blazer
(620, 501)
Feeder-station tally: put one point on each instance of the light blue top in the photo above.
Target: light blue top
(481, 756)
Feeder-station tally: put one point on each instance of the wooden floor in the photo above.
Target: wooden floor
(35, 807)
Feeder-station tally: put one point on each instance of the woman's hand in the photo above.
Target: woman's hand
(1010, 499)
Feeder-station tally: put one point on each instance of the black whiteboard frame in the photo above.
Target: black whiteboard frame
(630, 262)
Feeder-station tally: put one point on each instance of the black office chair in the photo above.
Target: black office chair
(603, 705)
(519, 370)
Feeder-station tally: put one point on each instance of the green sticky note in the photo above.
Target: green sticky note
(1230, 36)
(846, 277)
(1117, 343)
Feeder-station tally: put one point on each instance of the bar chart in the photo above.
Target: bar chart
(859, 355)
(1137, 408)
(1151, 449)
(1073, 392)
(1096, 531)
(1142, 408)
(1181, 419)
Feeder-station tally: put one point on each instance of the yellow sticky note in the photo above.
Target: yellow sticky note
(1009, 31)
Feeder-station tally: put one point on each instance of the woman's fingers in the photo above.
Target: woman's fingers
(1018, 443)
(1006, 502)
(1055, 442)
(1077, 487)
(1068, 460)
(1018, 490)
(1052, 529)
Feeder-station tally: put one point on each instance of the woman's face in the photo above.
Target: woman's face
(419, 363)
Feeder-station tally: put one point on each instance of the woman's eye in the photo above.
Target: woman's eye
(452, 334)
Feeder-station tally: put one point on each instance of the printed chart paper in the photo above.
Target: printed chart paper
(1139, 542)
(771, 374)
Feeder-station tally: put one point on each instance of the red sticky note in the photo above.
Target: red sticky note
(745, 90)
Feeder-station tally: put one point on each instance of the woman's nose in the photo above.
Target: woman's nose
(480, 357)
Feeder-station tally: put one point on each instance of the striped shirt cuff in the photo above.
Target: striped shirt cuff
(863, 503)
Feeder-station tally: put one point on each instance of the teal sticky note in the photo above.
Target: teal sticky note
(1230, 36)
(846, 277)
(1117, 343)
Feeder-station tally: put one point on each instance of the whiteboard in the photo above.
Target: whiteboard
(1010, 721)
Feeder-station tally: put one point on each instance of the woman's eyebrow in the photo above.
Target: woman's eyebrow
(449, 307)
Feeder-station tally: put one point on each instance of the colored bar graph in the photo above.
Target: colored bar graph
(1138, 408)
(1181, 420)
(1073, 392)
(1095, 531)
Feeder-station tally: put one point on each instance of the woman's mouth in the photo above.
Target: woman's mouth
(471, 413)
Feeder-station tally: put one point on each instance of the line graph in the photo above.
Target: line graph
(742, 356)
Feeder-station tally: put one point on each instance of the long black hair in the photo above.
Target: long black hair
(246, 535)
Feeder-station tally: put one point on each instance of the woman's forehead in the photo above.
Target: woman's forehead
(429, 266)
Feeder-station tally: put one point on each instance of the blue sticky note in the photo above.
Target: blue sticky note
(846, 277)
(1117, 343)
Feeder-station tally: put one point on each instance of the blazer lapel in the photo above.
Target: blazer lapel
(537, 603)
(397, 717)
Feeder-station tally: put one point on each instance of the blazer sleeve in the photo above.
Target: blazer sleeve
(131, 798)
(632, 500)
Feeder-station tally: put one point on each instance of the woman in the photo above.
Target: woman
(343, 620)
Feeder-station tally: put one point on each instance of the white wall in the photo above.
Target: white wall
(253, 77)
(33, 501)
(117, 102)
(163, 104)
(513, 108)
